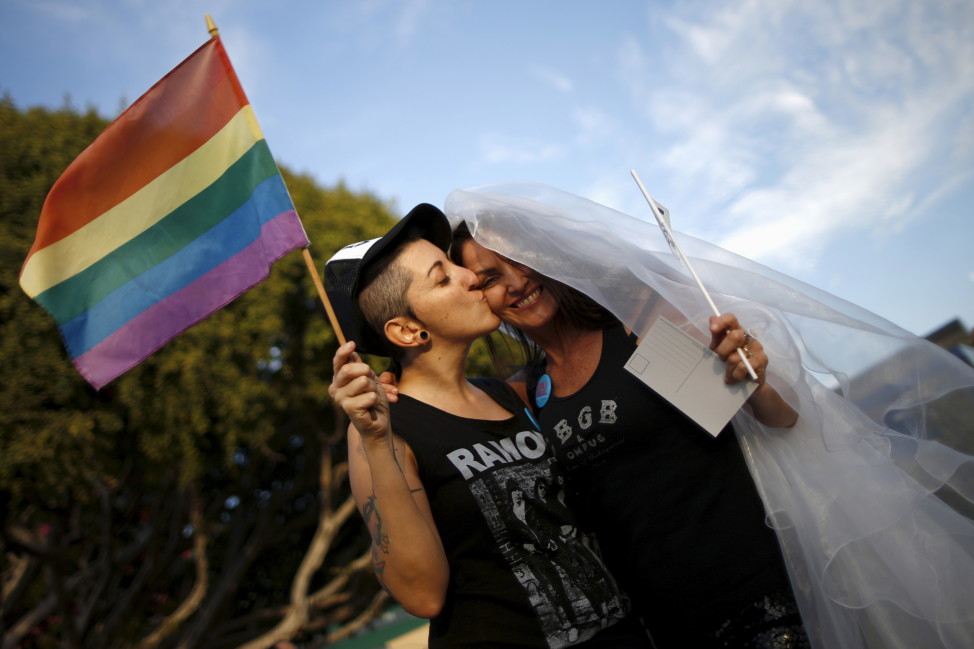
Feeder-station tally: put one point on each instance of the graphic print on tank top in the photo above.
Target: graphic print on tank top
(558, 566)
(498, 496)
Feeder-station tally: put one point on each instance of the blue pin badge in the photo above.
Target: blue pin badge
(543, 390)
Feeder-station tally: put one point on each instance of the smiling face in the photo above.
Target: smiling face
(444, 296)
(514, 292)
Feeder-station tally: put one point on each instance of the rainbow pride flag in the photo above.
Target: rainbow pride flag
(176, 209)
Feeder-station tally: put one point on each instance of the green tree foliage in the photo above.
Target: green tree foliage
(201, 499)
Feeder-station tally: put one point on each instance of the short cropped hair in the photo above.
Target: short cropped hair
(383, 296)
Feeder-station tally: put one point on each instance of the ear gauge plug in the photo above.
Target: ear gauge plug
(424, 335)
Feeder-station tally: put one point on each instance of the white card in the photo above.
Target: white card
(689, 375)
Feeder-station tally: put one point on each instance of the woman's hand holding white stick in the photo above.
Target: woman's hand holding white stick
(662, 220)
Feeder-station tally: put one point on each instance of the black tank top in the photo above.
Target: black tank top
(521, 572)
(675, 510)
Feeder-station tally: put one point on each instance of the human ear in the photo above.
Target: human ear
(406, 332)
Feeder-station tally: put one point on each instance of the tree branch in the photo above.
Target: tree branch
(297, 613)
(196, 595)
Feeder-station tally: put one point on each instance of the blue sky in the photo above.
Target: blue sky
(833, 141)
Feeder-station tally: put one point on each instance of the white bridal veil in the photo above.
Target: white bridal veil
(870, 493)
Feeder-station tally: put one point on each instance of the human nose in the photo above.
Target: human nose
(514, 280)
(469, 278)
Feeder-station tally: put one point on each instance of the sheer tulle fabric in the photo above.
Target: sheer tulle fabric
(871, 493)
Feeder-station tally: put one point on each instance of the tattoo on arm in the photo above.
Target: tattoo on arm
(397, 451)
(380, 540)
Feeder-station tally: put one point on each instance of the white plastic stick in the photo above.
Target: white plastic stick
(675, 247)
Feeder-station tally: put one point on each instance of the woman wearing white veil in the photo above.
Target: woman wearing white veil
(857, 491)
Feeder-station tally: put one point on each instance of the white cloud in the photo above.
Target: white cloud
(377, 23)
(63, 10)
(842, 185)
(498, 149)
(410, 16)
(557, 80)
(782, 126)
(787, 101)
(613, 191)
(594, 125)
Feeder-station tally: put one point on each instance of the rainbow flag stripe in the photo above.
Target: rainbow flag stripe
(175, 210)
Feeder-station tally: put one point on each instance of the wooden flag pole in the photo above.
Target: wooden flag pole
(324, 296)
